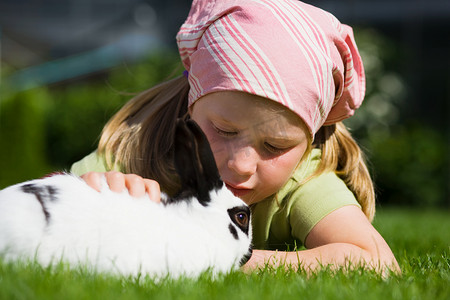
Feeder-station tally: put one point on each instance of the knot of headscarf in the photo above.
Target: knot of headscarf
(284, 50)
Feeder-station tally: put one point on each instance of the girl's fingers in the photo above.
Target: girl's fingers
(118, 182)
(93, 179)
(138, 186)
(135, 185)
(153, 190)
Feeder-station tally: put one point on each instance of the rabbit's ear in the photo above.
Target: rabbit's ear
(210, 172)
(194, 163)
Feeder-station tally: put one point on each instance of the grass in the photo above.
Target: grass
(420, 240)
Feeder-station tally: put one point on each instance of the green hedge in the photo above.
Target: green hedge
(410, 165)
(46, 129)
(22, 128)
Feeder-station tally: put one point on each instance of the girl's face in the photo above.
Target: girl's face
(257, 143)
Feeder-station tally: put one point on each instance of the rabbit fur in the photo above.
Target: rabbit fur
(60, 218)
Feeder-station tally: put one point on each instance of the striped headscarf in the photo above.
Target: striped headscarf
(284, 50)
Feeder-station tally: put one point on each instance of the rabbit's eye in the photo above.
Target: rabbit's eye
(241, 218)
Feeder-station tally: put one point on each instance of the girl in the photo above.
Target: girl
(268, 81)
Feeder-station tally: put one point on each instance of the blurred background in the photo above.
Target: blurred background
(67, 65)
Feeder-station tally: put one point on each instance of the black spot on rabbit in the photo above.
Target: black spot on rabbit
(43, 194)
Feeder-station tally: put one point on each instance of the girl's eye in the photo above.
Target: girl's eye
(273, 149)
(224, 132)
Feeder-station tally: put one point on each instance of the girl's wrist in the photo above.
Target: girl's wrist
(262, 258)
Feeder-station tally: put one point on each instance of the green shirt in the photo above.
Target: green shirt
(284, 221)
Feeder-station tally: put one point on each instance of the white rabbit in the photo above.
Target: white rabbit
(61, 218)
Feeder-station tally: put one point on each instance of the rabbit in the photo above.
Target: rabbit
(202, 228)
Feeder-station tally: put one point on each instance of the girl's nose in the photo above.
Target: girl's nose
(243, 161)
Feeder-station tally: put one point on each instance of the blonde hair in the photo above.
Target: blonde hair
(139, 137)
(342, 155)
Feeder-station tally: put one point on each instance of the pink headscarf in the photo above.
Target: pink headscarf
(284, 50)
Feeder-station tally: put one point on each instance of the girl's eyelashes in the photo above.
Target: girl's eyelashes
(274, 149)
(224, 132)
(270, 148)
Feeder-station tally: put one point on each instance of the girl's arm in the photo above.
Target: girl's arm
(344, 237)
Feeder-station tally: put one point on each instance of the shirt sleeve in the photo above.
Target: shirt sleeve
(91, 163)
(314, 200)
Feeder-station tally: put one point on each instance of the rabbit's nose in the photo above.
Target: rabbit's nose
(244, 161)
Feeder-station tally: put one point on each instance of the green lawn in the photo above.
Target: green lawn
(420, 240)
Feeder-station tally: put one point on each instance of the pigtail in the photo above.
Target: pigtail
(342, 155)
(139, 137)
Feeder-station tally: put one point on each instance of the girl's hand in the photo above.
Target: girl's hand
(135, 184)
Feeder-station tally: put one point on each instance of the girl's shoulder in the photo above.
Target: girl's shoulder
(305, 200)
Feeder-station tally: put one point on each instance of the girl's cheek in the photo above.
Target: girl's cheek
(217, 145)
(220, 152)
(281, 169)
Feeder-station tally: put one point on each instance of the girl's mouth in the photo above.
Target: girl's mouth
(238, 192)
